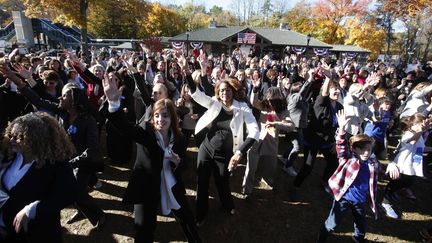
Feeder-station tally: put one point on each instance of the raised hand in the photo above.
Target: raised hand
(326, 69)
(372, 80)
(110, 88)
(256, 82)
(202, 60)
(342, 120)
(181, 61)
(76, 61)
(311, 72)
(127, 61)
(8, 73)
(22, 71)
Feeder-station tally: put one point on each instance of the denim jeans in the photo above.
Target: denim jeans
(337, 211)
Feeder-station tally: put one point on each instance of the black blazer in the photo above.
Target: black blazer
(84, 133)
(54, 185)
(144, 183)
(320, 130)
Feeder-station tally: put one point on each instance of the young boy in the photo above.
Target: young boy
(355, 178)
(378, 129)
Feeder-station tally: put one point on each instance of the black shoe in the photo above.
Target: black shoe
(357, 240)
(100, 223)
(199, 223)
(248, 198)
(293, 195)
(75, 218)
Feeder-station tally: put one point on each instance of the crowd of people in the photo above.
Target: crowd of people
(232, 107)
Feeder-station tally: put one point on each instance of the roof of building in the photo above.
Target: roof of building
(349, 48)
(273, 35)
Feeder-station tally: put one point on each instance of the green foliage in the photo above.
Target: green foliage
(216, 11)
(112, 19)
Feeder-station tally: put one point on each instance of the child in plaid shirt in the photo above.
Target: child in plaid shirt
(353, 181)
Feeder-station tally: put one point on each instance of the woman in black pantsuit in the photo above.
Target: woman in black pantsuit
(157, 181)
(223, 145)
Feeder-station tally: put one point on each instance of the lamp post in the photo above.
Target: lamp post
(187, 43)
(308, 38)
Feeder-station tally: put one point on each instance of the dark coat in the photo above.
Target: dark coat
(83, 132)
(54, 185)
(144, 183)
(320, 130)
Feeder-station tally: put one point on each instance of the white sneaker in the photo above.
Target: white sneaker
(290, 171)
(389, 210)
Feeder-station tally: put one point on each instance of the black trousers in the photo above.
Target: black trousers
(119, 146)
(310, 154)
(85, 203)
(146, 215)
(218, 166)
(395, 185)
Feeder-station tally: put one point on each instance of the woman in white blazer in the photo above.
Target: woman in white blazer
(224, 143)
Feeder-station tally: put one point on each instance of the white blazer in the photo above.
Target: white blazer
(242, 115)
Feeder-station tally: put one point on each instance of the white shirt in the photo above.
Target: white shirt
(12, 176)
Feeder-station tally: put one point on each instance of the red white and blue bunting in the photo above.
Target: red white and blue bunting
(321, 51)
(351, 55)
(298, 50)
(177, 45)
(196, 45)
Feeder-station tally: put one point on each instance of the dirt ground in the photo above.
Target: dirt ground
(270, 217)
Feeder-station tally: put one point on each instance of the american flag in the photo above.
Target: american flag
(246, 38)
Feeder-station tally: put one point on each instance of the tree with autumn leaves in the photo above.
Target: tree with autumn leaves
(365, 23)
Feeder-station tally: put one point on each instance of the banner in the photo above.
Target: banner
(321, 51)
(196, 45)
(246, 38)
(298, 50)
(350, 55)
(177, 45)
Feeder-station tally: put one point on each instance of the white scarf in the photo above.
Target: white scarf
(168, 180)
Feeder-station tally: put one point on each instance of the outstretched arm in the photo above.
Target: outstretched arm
(342, 148)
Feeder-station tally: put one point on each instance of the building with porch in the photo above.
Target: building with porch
(225, 39)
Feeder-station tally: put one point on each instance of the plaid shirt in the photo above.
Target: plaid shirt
(347, 171)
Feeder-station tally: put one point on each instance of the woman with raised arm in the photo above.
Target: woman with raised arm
(155, 182)
(319, 136)
(73, 113)
(223, 146)
(273, 118)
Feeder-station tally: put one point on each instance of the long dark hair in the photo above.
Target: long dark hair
(274, 100)
(79, 97)
(169, 105)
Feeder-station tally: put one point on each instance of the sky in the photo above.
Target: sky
(225, 4)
